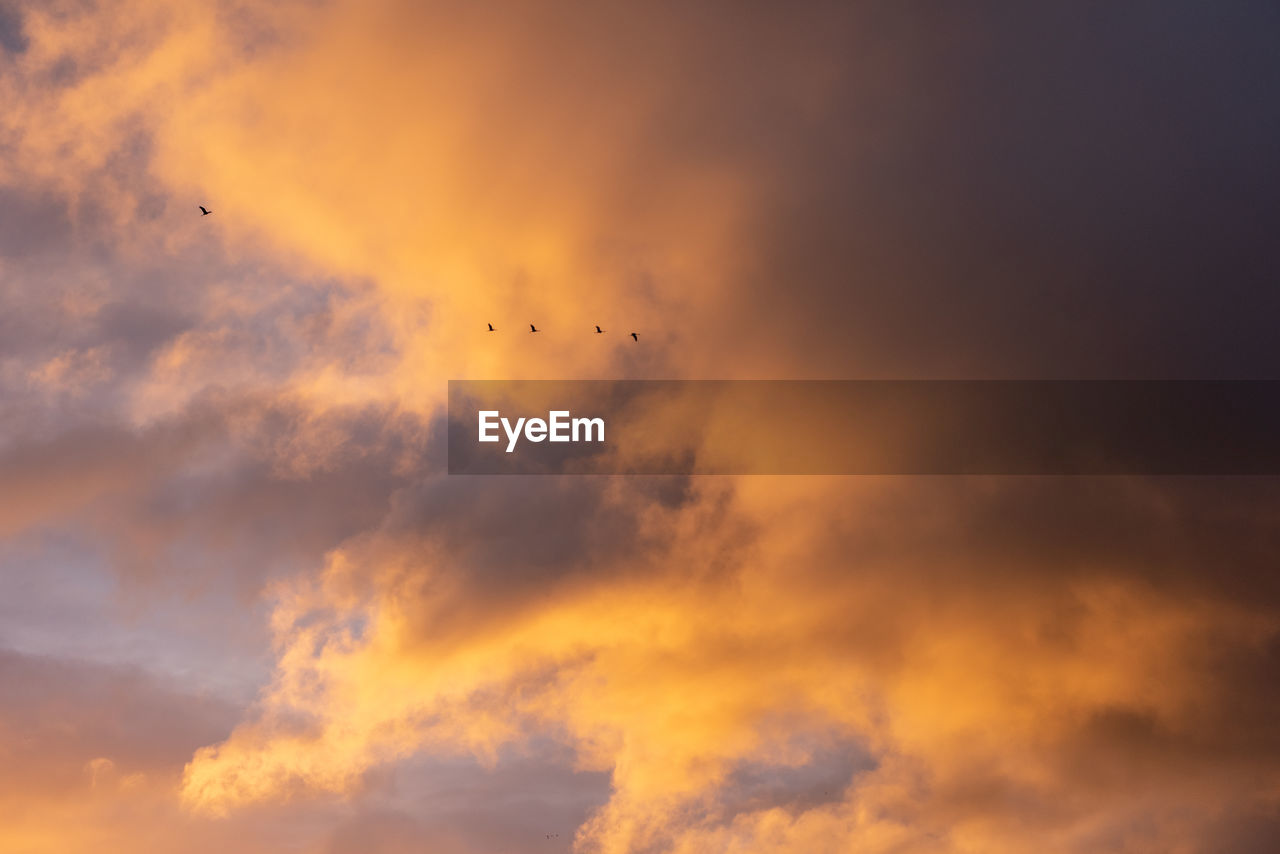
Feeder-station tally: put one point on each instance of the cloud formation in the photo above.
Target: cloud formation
(983, 703)
(235, 421)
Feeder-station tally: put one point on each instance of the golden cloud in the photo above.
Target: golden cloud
(761, 664)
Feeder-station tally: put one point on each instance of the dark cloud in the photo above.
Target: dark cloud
(289, 489)
(12, 38)
(137, 329)
(251, 520)
(754, 785)
(1246, 831)
(31, 224)
(1079, 192)
(453, 805)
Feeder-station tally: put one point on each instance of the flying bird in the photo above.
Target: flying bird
(635, 337)
(204, 211)
(490, 327)
(532, 328)
(599, 330)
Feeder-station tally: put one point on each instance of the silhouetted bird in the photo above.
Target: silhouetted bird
(532, 328)
(635, 336)
(490, 327)
(204, 211)
(599, 330)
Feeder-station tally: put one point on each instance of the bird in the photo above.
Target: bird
(204, 211)
(599, 330)
(490, 327)
(635, 337)
(532, 328)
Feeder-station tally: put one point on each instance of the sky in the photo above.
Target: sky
(243, 606)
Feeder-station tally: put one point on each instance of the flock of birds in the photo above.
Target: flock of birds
(634, 337)
(599, 331)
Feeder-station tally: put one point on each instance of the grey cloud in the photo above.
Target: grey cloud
(62, 714)
(12, 38)
(456, 805)
(153, 498)
(1013, 191)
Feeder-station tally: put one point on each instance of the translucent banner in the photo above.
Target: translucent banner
(865, 427)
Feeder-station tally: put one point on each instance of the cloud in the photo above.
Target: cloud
(681, 665)
(1072, 704)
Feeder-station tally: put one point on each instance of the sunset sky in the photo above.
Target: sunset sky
(244, 608)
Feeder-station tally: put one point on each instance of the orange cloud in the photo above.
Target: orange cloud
(752, 665)
(672, 677)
